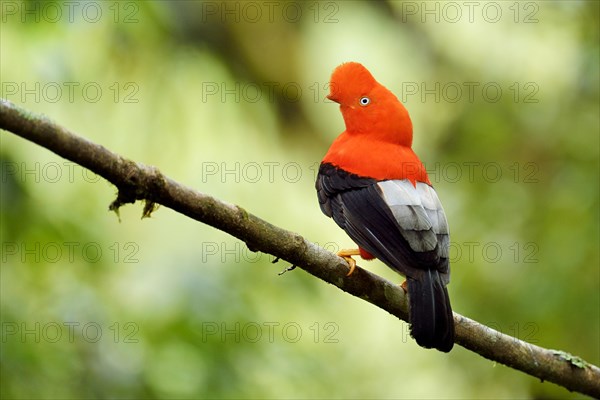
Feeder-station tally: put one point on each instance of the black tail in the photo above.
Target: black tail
(430, 314)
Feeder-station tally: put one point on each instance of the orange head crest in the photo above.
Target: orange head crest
(369, 107)
(348, 81)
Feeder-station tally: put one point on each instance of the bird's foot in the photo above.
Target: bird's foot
(404, 286)
(347, 255)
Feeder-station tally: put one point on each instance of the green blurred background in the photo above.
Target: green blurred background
(228, 98)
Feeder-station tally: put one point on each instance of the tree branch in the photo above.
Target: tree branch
(139, 182)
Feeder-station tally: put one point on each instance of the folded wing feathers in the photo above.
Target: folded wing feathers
(419, 214)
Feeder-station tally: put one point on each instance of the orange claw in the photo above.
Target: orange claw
(347, 255)
(404, 287)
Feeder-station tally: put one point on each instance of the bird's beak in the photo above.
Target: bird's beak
(332, 98)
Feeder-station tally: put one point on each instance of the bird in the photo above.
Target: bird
(373, 185)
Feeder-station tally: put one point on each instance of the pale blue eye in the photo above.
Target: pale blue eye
(364, 101)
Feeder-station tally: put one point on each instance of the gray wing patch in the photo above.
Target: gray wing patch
(418, 213)
(437, 216)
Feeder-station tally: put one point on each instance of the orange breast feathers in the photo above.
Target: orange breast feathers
(365, 156)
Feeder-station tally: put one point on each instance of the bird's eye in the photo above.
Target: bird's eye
(364, 101)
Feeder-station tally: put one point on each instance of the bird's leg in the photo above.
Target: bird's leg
(347, 255)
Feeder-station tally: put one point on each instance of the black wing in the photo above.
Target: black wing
(402, 225)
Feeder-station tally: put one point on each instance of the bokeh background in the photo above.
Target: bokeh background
(229, 98)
